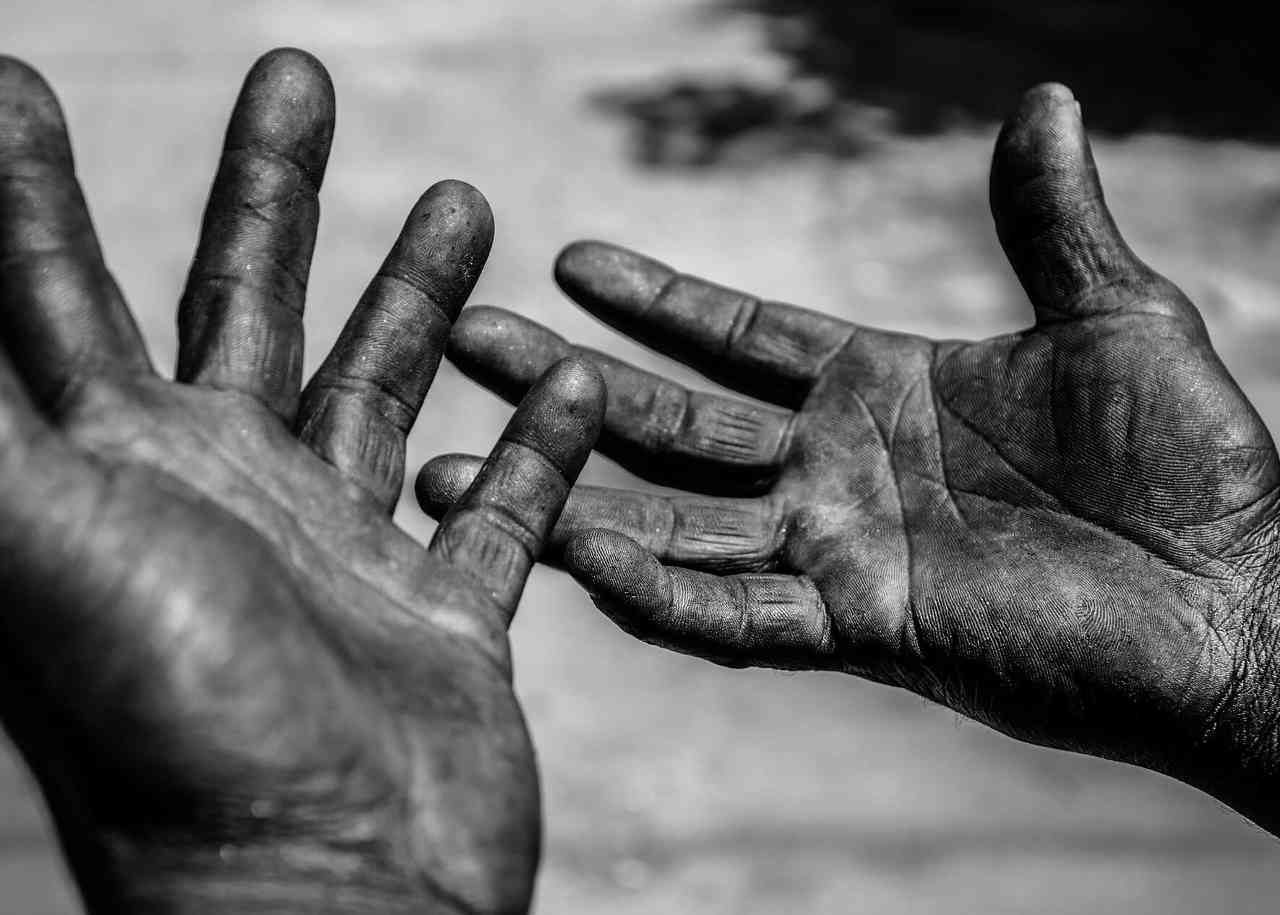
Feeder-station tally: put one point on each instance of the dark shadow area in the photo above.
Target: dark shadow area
(862, 69)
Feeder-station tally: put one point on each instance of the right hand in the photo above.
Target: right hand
(241, 687)
(1068, 532)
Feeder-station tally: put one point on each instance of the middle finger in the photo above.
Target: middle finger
(655, 428)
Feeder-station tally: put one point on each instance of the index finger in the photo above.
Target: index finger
(496, 531)
(770, 350)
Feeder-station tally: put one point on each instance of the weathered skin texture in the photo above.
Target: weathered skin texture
(241, 687)
(1066, 532)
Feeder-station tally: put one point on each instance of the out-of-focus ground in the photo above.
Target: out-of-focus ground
(671, 785)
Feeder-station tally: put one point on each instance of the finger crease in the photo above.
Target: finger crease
(260, 150)
(501, 520)
(423, 298)
(390, 404)
(742, 322)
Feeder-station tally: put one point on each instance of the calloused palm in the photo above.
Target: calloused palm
(239, 684)
(1065, 532)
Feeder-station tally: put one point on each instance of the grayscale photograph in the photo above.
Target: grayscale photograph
(654, 457)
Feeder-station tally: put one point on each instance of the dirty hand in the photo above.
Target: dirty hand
(240, 686)
(1068, 532)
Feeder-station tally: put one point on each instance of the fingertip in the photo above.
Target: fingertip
(624, 580)
(613, 568)
(30, 115)
(443, 480)
(1044, 105)
(444, 244)
(479, 339)
(295, 70)
(1046, 96)
(287, 104)
(480, 328)
(458, 205)
(573, 268)
(562, 414)
(577, 257)
(20, 80)
(453, 216)
(605, 277)
(1044, 134)
(579, 386)
(503, 351)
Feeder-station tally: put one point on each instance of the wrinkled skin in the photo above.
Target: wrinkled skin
(240, 686)
(1065, 532)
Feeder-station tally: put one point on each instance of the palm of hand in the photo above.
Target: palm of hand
(1002, 525)
(1059, 531)
(236, 680)
(330, 670)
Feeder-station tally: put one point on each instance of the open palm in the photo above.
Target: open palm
(238, 683)
(1062, 531)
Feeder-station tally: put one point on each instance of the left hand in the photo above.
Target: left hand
(1068, 532)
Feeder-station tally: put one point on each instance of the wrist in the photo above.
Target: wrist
(1237, 754)
(266, 876)
(354, 862)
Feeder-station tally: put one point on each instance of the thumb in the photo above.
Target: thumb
(1053, 222)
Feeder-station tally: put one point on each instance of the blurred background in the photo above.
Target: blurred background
(832, 154)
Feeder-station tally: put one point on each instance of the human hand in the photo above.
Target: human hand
(239, 685)
(1067, 532)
